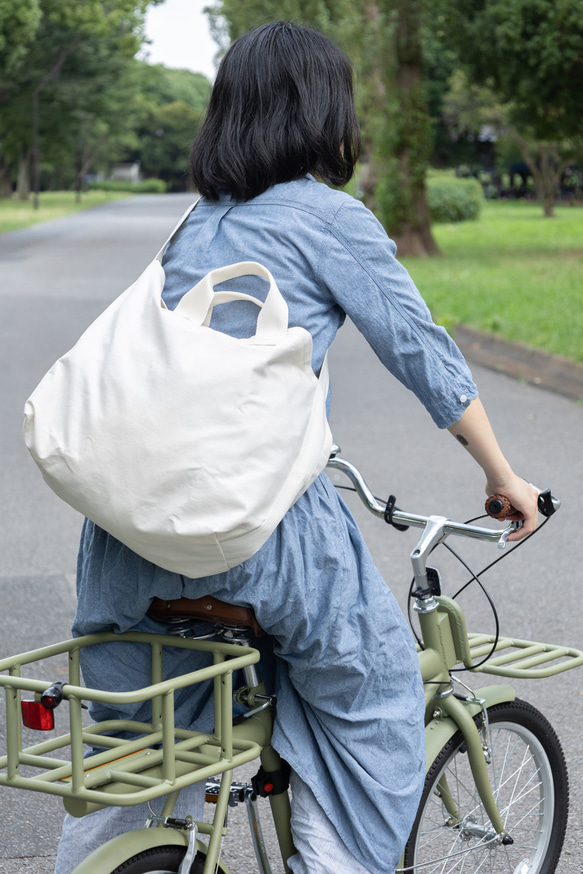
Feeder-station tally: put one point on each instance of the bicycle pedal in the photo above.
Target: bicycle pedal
(237, 792)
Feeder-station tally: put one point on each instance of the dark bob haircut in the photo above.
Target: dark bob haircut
(282, 106)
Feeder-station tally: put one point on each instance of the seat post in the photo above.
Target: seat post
(239, 635)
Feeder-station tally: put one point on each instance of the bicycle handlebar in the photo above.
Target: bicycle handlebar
(413, 520)
(547, 506)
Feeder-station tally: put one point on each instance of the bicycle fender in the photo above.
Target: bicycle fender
(440, 729)
(107, 857)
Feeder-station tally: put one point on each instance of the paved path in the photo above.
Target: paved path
(55, 278)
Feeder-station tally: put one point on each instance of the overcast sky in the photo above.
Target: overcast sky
(180, 36)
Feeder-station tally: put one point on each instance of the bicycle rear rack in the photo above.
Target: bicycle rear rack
(161, 760)
(522, 659)
(518, 659)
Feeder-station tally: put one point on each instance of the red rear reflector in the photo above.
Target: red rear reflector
(268, 787)
(34, 715)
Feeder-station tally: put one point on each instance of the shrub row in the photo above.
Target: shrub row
(449, 199)
(148, 186)
(454, 200)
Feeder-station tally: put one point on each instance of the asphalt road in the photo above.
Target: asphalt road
(55, 278)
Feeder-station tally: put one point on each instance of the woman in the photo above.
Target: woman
(350, 704)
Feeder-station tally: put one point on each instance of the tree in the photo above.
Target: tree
(477, 126)
(94, 104)
(529, 53)
(18, 25)
(169, 109)
(79, 45)
(547, 161)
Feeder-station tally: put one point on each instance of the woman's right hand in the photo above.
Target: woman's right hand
(523, 499)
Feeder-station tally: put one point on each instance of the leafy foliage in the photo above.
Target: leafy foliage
(73, 60)
(529, 52)
(18, 25)
(522, 72)
(168, 111)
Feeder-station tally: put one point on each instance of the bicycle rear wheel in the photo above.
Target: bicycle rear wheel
(159, 860)
(530, 783)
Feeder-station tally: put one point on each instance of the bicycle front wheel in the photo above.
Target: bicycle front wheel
(528, 774)
(159, 860)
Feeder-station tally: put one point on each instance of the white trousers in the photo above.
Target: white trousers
(319, 848)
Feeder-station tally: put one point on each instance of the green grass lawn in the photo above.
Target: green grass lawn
(16, 214)
(512, 273)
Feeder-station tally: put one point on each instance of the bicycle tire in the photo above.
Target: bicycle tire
(531, 787)
(159, 860)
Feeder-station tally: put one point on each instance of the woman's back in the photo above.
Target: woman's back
(330, 258)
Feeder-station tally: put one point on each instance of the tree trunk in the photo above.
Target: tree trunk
(81, 158)
(407, 136)
(369, 176)
(372, 99)
(5, 179)
(548, 202)
(414, 237)
(545, 178)
(52, 74)
(23, 179)
(546, 168)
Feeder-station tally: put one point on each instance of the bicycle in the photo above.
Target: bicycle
(496, 789)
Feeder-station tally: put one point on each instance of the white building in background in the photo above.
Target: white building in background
(127, 172)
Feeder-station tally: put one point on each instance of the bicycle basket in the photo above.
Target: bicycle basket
(158, 759)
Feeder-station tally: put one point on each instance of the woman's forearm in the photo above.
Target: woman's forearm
(475, 434)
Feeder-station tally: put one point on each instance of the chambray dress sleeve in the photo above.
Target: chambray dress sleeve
(359, 266)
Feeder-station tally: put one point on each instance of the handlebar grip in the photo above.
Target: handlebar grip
(499, 507)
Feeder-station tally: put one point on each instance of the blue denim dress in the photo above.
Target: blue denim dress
(340, 656)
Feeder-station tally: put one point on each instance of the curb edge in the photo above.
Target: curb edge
(548, 371)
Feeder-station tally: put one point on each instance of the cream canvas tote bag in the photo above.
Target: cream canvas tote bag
(186, 444)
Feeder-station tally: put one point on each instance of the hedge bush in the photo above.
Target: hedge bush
(454, 200)
(148, 186)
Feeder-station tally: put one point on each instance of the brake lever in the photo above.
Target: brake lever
(514, 526)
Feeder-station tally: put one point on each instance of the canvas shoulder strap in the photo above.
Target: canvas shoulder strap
(160, 254)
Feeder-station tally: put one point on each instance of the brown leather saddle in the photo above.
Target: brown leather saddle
(205, 608)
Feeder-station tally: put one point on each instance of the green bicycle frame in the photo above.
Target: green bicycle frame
(164, 759)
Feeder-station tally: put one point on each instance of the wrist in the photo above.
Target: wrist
(500, 478)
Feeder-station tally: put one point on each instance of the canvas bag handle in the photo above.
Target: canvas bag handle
(197, 304)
